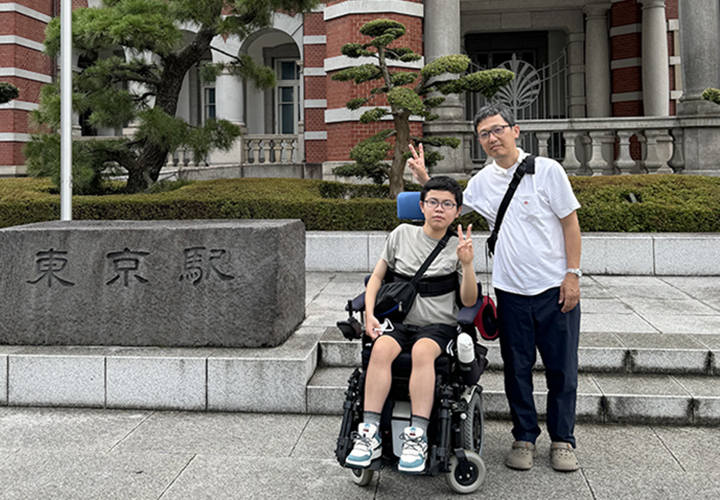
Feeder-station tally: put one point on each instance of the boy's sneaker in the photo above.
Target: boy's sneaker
(367, 446)
(414, 451)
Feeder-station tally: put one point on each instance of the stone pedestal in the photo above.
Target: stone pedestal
(156, 283)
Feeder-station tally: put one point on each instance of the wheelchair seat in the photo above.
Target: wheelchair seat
(402, 366)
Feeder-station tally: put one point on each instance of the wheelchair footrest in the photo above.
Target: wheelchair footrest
(376, 464)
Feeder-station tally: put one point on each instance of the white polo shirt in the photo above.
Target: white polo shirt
(530, 250)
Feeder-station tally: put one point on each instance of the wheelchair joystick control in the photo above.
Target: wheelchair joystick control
(469, 366)
(466, 352)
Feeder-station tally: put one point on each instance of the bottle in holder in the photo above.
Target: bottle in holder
(468, 364)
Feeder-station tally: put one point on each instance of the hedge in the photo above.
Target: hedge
(637, 203)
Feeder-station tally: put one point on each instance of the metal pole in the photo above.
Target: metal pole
(66, 110)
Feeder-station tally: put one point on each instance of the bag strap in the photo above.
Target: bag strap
(526, 166)
(436, 251)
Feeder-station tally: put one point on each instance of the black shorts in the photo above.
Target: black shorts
(407, 335)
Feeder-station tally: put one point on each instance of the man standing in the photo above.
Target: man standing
(536, 280)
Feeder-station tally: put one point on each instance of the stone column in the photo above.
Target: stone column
(230, 106)
(442, 38)
(576, 75)
(700, 54)
(597, 61)
(655, 62)
(229, 97)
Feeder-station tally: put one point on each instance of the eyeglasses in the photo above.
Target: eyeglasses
(497, 132)
(433, 203)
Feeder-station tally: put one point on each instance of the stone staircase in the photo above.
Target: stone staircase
(624, 378)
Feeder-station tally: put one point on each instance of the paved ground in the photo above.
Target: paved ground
(612, 304)
(103, 454)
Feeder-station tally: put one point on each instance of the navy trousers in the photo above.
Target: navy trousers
(527, 322)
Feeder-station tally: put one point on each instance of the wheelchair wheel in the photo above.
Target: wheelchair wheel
(466, 481)
(361, 477)
(472, 426)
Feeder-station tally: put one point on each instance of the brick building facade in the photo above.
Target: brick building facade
(607, 63)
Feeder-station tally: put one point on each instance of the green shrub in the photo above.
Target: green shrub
(664, 203)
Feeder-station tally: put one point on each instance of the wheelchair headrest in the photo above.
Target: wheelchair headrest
(408, 206)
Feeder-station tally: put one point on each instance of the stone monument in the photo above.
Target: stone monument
(218, 283)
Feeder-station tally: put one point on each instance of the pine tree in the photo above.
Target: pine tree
(712, 95)
(142, 87)
(409, 94)
(8, 92)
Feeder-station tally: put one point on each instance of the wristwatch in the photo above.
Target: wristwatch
(576, 272)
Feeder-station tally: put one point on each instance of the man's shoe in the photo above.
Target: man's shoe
(562, 457)
(367, 446)
(414, 451)
(521, 455)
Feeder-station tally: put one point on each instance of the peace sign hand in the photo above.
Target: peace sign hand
(417, 164)
(465, 251)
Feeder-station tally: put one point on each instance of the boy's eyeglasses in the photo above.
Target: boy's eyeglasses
(433, 203)
(497, 132)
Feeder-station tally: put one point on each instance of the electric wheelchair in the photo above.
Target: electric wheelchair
(455, 433)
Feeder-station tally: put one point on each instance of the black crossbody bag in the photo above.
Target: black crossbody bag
(395, 299)
(486, 319)
(526, 166)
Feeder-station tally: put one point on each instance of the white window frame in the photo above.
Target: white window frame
(295, 84)
(204, 104)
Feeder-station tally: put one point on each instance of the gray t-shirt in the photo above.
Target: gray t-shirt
(406, 248)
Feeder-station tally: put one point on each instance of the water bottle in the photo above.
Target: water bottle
(469, 367)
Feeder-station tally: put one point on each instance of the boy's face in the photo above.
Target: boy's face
(439, 208)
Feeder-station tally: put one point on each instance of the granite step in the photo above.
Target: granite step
(602, 397)
(650, 353)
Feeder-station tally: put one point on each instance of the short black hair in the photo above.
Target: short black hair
(443, 183)
(493, 109)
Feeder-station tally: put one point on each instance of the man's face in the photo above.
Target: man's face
(439, 208)
(497, 138)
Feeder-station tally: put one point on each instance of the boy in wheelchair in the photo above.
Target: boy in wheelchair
(427, 330)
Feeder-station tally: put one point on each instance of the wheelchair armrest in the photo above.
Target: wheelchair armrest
(358, 303)
(466, 316)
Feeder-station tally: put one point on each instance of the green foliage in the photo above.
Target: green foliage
(486, 82)
(405, 98)
(355, 50)
(357, 103)
(405, 101)
(712, 95)
(361, 74)
(668, 203)
(438, 142)
(370, 157)
(141, 82)
(454, 64)
(90, 169)
(401, 78)
(8, 92)
(373, 115)
(379, 27)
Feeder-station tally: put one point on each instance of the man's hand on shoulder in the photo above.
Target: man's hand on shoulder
(569, 292)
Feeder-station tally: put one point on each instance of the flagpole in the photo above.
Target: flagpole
(66, 110)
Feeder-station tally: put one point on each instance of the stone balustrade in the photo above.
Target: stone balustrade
(610, 146)
(270, 149)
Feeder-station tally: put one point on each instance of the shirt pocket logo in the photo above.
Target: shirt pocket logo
(529, 207)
